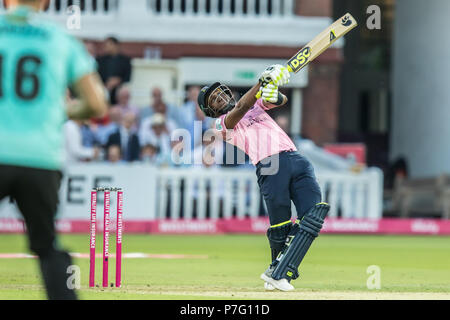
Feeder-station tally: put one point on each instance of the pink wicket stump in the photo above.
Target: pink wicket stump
(92, 240)
(119, 228)
(106, 238)
(106, 227)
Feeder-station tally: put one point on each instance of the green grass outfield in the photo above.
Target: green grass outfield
(228, 267)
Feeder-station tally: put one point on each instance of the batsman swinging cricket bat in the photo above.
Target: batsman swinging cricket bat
(320, 43)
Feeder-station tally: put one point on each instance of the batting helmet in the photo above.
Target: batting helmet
(203, 97)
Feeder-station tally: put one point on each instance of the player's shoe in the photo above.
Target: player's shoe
(268, 273)
(271, 284)
(282, 284)
(268, 286)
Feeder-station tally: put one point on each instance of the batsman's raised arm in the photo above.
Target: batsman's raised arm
(270, 79)
(242, 106)
(217, 99)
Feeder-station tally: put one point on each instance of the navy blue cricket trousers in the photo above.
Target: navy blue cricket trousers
(290, 177)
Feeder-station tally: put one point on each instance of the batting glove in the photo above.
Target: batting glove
(271, 94)
(277, 74)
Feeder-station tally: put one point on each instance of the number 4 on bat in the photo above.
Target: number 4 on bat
(332, 35)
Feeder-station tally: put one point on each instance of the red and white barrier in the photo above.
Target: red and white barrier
(249, 225)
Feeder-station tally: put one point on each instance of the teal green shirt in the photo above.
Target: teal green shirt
(38, 61)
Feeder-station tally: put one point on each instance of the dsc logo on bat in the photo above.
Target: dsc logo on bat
(299, 60)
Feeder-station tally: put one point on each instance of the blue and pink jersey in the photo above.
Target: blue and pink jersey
(257, 134)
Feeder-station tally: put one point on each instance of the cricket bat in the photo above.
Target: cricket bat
(320, 43)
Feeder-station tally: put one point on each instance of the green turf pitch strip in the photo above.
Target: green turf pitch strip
(336, 267)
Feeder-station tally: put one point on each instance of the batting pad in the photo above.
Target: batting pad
(277, 235)
(298, 244)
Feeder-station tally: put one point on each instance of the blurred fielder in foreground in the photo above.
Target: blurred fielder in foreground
(283, 174)
(38, 62)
